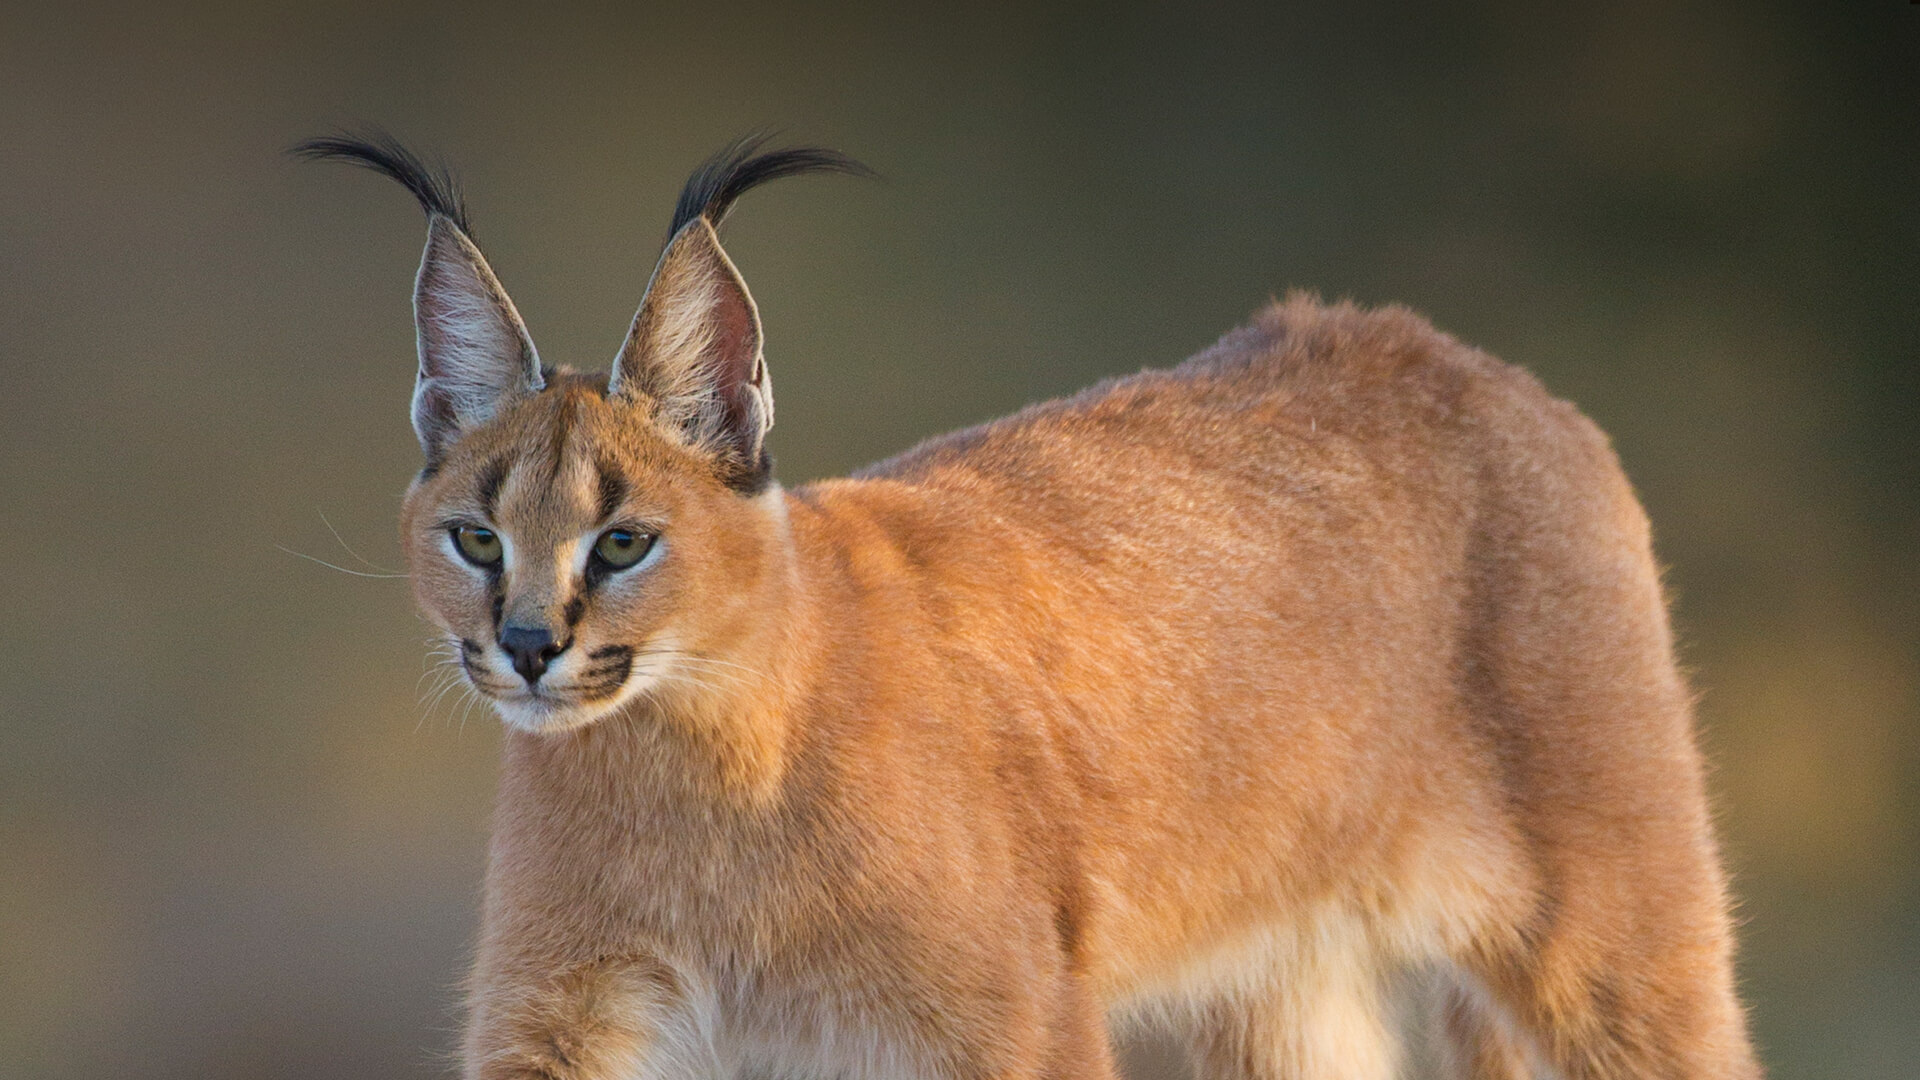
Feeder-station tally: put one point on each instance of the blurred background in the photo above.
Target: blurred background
(235, 842)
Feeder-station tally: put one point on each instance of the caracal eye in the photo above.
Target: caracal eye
(621, 548)
(477, 545)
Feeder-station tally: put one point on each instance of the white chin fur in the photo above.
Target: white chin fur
(537, 716)
(546, 716)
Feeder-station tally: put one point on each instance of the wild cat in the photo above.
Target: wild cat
(1236, 697)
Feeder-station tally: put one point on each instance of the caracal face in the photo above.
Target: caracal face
(582, 539)
(571, 553)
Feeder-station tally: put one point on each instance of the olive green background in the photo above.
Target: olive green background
(234, 843)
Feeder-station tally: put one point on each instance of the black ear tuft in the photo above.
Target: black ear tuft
(739, 168)
(433, 185)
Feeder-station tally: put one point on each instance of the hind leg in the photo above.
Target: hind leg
(1661, 1005)
(1619, 963)
(1621, 966)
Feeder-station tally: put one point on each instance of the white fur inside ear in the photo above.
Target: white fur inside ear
(694, 351)
(475, 352)
(683, 386)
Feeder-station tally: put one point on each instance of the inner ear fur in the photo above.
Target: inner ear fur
(475, 352)
(693, 357)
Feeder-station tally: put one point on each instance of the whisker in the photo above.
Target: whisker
(472, 699)
(436, 672)
(675, 656)
(441, 664)
(697, 676)
(426, 708)
(685, 677)
(344, 547)
(330, 566)
(728, 675)
(723, 663)
(719, 673)
(442, 692)
(443, 712)
(433, 706)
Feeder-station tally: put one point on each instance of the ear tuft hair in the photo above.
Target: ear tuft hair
(433, 185)
(724, 177)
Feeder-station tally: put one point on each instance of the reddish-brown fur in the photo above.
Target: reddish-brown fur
(1259, 700)
(1221, 695)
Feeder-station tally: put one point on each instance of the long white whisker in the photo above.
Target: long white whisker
(441, 694)
(435, 672)
(710, 665)
(473, 698)
(426, 709)
(686, 658)
(456, 693)
(330, 566)
(344, 547)
(433, 705)
(690, 679)
(709, 674)
(732, 679)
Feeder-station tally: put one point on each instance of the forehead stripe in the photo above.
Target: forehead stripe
(490, 482)
(613, 489)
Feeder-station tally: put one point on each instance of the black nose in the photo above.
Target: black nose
(532, 648)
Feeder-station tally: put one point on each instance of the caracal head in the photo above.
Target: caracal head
(584, 540)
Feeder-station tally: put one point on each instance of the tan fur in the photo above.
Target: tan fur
(1227, 699)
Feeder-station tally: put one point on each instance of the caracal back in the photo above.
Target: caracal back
(1399, 693)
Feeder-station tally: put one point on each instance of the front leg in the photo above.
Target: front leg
(614, 1018)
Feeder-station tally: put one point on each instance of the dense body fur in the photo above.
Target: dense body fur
(1228, 695)
(1240, 699)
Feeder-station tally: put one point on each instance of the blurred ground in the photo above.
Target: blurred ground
(234, 844)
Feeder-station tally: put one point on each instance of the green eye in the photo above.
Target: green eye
(621, 548)
(479, 546)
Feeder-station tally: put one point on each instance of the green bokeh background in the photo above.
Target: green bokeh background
(234, 844)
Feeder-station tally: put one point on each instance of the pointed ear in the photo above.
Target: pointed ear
(693, 357)
(475, 354)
